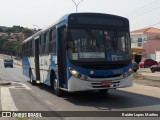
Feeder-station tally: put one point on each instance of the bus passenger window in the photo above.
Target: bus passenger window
(47, 42)
(52, 45)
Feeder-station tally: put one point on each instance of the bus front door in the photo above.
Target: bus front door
(62, 57)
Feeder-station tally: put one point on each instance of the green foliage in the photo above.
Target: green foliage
(14, 29)
(27, 32)
(1, 44)
(1, 30)
(13, 47)
(10, 47)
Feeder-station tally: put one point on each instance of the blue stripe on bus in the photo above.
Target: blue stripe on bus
(98, 72)
(26, 66)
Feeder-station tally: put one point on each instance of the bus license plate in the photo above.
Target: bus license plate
(106, 83)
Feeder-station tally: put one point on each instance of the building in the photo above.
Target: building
(147, 41)
(18, 36)
(3, 35)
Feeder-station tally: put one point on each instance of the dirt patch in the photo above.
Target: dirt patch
(147, 80)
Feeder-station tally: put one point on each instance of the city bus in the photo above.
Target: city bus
(80, 52)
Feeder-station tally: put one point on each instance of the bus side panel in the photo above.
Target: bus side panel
(44, 68)
(32, 67)
(26, 66)
(47, 63)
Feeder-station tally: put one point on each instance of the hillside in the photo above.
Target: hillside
(12, 37)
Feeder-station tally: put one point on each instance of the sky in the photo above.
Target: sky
(41, 13)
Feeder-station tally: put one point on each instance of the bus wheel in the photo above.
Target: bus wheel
(103, 91)
(57, 91)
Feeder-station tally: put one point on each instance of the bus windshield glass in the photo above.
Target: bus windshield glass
(93, 45)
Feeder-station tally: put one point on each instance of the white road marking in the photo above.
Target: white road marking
(7, 102)
(23, 86)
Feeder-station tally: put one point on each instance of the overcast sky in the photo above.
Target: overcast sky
(26, 13)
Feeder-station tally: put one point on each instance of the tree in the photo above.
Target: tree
(27, 32)
(11, 47)
(1, 30)
(1, 44)
(17, 28)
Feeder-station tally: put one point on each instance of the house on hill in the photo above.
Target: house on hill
(148, 42)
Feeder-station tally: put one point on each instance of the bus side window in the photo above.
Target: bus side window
(30, 48)
(52, 45)
(47, 42)
(40, 45)
(27, 49)
(43, 44)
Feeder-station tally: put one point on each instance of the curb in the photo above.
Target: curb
(2, 82)
(153, 78)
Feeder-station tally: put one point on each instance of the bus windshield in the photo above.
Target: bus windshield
(93, 45)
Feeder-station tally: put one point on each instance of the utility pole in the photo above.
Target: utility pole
(76, 4)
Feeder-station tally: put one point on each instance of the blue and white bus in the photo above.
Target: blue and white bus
(80, 52)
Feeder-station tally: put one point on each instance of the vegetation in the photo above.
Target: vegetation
(12, 47)
(9, 47)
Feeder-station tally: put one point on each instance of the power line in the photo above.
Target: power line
(157, 7)
(154, 24)
(143, 7)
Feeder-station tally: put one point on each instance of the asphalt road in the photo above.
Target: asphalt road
(22, 96)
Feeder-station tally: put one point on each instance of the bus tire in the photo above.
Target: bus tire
(54, 84)
(57, 91)
(33, 82)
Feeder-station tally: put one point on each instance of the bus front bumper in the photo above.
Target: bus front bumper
(75, 84)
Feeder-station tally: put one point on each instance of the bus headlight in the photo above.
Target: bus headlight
(75, 73)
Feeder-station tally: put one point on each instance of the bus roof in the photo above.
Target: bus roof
(64, 20)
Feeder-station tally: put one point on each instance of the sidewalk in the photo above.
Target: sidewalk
(145, 76)
(146, 73)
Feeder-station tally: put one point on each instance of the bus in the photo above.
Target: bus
(80, 52)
